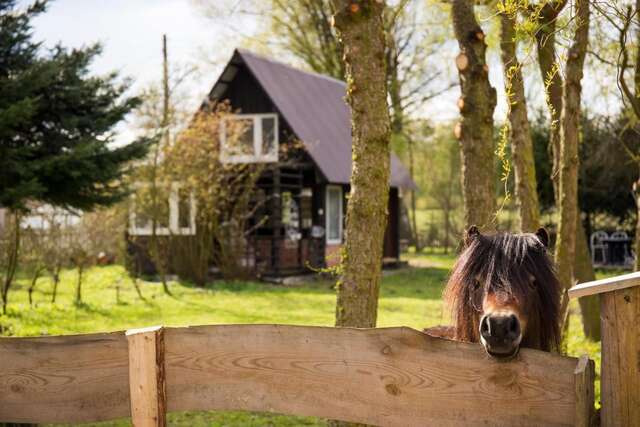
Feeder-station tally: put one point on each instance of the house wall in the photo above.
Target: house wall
(391, 248)
(246, 95)
(392, 233)
(332, 255)
(271, 252)
(274, 253)
(291, 254)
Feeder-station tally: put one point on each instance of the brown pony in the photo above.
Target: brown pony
(504, 293)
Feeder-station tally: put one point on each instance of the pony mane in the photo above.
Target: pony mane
(514, 264)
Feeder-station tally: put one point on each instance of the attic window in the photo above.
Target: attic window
(249, 138)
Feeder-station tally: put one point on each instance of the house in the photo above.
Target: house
(306, 219)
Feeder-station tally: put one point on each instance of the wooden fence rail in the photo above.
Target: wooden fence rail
(386, 377)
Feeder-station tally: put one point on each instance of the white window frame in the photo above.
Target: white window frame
(174, 208)
(258, 156)
(330, 188)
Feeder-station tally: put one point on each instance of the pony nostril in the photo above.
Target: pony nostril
(514, 325)
(500, 334)
(485, 327)
(500, 328)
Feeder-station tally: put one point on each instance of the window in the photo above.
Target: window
(176, 212)
(334, 214)
(249, 138)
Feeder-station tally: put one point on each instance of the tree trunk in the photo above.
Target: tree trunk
(136, 286)
(636, 192)
(519, 133)
(79, 284)
(360, 29)
(12, 261)
(636, 185)
(447, 228)
(395, 89)
(34, 281)
(414, 221)
(549, 69)
(568, 188)
(56, 280)
(475, 129)
(589, 306)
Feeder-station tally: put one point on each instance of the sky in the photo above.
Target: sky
(131, 34)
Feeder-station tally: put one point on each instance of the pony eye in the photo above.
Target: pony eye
(476, 284)
(533, 284)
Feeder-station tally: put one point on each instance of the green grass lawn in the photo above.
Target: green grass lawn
(409, 297)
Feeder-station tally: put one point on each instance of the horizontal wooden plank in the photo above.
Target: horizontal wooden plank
(64, 378)
(387, 377)
(605, 285)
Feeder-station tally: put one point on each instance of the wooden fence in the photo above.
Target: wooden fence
(386, 377)
(620, 325)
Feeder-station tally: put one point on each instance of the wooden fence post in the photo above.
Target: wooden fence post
(620, 321)
(584, 374)
(146, 377)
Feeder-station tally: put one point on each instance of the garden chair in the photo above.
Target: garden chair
(619, 235)
(629, 256)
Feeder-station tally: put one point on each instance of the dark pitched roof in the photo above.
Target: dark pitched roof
(314, 107)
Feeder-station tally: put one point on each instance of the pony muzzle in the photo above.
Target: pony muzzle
(500, 334)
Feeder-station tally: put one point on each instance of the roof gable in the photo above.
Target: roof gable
(313, 105)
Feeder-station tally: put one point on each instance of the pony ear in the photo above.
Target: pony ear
(471, 235)
(543, 236)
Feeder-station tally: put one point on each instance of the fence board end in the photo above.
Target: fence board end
(147, 376)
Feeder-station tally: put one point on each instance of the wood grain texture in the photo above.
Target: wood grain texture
(620, 316)
(387, 377)
(64, 378)
(585, 409)
(146, 377)
(605, 285)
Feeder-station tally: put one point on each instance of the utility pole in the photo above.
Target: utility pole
(157, 248)
(165, 88)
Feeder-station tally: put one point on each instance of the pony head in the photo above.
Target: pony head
(504, 293)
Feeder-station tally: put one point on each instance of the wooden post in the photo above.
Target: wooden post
(584, 375)
(620, 320)
(146, 376)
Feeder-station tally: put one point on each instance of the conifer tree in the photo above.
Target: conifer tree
(57, 121)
